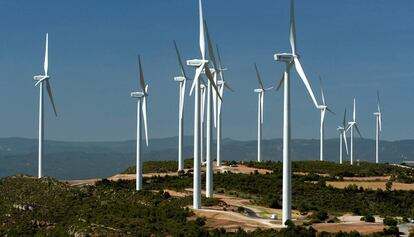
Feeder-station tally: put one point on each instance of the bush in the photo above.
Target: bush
(368, 218)
(321, 215)
(389, 221)
(392, 230)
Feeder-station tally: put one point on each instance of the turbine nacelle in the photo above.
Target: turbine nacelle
(179, 79)
(137, 94)
(196, 62)
(322, 107)
(377, 114)
(285, 57)
(351, 124)
(40, 77)
(258, 90)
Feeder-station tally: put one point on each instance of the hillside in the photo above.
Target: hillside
(243, 197)
(78, 160)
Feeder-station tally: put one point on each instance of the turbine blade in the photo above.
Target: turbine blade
(220, 63)
(302, 75)
(258, 77)
(292, 32)
(203, 102)
(357, 129)
(197, 75)
(330, 111)
(182, 96)
(346, 143)
(379, 111)
(144, 115)
(261, 107)
(380, 122)
(180, 61)
(378, 102)
(226, 84)
(344, 121)
(211, 78)
(46, 63)
(49, 92)
(202, 39)
(323, 95)
(323, 116)
(268, 89)
(210, 47)
(39, 81)
(353, 115)
(141, 75)
(282, 79)
(220, 102)
(214, 95)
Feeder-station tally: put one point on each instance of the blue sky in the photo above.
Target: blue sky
(356, 46)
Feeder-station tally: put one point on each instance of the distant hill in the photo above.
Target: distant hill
(78, 160)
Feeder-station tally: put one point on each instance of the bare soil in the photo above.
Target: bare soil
(370, 185)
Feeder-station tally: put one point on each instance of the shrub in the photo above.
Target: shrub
(389, 221)
(368, 218)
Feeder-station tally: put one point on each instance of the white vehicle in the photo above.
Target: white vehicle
(273, 217)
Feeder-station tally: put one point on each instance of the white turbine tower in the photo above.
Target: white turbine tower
(203, 107)
(323, 108)
(378, 116)
(182, 80)
(200, 64)
(40, 81)
(141, 105)
(260, 111)
(211, 98)
(290, 59)
(221, 85)
(351, 126)
(342, 138)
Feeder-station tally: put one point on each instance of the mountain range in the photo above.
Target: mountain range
(81, 160)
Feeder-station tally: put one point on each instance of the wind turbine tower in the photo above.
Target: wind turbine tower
(182, 80)
(221, 84)
(200, 65)
(351, 126)
(290, 59)
(260, 111)
(342, 138)
(141, 105)
(323, 108)
(41, 80)
(378, 116)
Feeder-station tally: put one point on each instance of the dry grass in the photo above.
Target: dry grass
(374, 185)
(362, 228)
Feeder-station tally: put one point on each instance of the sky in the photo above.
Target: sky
(357, 47)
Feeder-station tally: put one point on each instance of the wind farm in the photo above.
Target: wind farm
(211, 158)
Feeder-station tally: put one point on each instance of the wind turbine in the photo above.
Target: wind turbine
(351, 126)
(200, 65)
(211, 97)
(378, 116)
(221, 85)
(342, 138)
(182, 83)
(290, 59)
(260, 107)
(40, 81)
(141, 105)
(323, 108)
